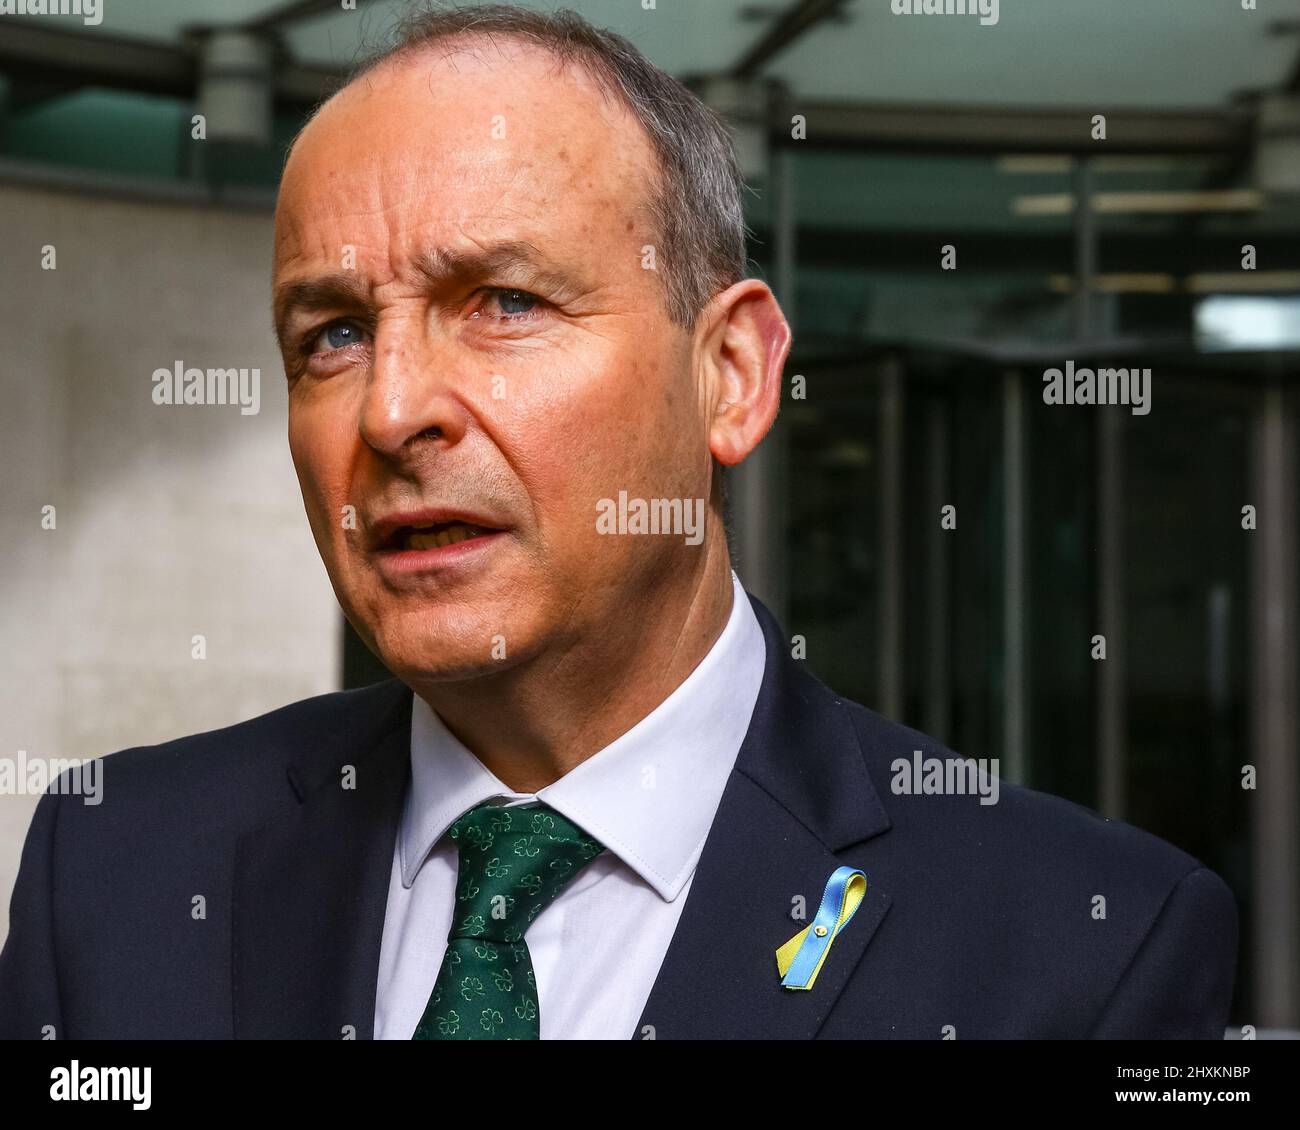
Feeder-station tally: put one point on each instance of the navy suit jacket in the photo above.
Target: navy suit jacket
(978, 920)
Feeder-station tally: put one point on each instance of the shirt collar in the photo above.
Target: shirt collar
(649, 796)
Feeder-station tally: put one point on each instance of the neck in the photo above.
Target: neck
(532, 724)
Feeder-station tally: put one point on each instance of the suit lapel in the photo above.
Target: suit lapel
(311, 890)
(798, 796)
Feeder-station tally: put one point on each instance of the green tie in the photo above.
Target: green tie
(513, 862)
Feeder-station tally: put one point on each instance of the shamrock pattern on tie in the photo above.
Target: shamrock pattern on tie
(513, 862)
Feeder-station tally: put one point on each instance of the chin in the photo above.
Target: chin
(449, 642)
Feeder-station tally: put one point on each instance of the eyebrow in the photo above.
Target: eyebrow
(323, 293)
(525, 265)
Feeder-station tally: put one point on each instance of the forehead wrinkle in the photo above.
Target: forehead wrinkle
(588, 98)
(586, 93)
(439, 265)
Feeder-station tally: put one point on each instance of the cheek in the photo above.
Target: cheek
(583, 437)
(652, 419)
(319, 450)
(597, 427)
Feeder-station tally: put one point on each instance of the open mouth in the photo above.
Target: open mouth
(439, 535)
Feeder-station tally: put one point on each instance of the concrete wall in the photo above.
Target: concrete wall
(171, 522)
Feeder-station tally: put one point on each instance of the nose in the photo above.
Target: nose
(410, 393)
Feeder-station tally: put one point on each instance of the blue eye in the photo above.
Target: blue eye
(339, 335)
(513, 302)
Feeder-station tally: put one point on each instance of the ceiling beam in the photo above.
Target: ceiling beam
(302, 84)
(95, 60)
(30, 51)
(853, 125)
(290, 13)
(788, 27)
(48, 56)
(1017, 249)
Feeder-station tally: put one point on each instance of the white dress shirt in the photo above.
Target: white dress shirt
(649, 797)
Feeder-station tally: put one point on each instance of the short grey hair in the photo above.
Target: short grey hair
(696, 205)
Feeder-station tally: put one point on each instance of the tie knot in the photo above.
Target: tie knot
(512, 863)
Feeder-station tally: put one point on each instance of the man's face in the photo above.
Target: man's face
(476, 350)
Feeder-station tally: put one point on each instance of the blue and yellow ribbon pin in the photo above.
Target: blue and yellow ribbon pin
(801, 958)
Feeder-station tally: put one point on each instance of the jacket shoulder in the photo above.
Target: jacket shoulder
(240, 771)
(1133, 935)
(962, 805)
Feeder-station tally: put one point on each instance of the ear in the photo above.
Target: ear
(744, 352)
